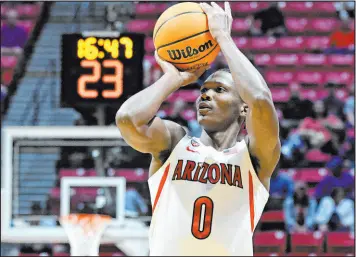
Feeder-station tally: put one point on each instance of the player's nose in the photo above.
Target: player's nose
(206, 96)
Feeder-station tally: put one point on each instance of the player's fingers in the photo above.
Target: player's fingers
(217, 7)
(228, 9)
(164, 65)
(206, 8)
(200, 71)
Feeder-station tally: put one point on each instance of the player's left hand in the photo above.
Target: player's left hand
(220, 21)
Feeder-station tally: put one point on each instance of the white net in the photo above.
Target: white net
(84, 232)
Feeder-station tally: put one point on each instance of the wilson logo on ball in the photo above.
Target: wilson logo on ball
(189, 51)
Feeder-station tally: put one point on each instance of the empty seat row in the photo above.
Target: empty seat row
(250, 7)
(23, 10)
(307, 243)
(271, 44)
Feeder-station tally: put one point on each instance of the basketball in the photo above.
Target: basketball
(181, 36)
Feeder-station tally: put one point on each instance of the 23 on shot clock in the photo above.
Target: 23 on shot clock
(101, 68)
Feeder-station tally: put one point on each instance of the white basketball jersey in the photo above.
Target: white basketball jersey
(205, 202)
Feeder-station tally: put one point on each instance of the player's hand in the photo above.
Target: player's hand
(184, 78)
(220, 21)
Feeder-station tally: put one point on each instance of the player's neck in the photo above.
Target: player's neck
(220, 140)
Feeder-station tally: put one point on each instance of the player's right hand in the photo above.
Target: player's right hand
(184, 78)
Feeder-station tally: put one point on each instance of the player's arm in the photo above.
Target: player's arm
(136, 119)
(261, 121)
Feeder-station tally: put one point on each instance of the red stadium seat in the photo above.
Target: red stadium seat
(280, 95)
(307, 242)
(324, 7)
(28, 10)
(324, 25)
(131, 175)
(317, 42)
(6, 76)
(279, 78)
(150, 8)
(187, 95)
(263, 43)
(267, 254)
(285, 59)
(247, 7)
(344, 78)
(77, 173)
(290, 43)
(240, 25)
(297, 7)
(340, 242)
(270, 242)
(310, 175)
(313, 59)
(296, 25)
(315, 155)
(313, 94)
(8, 62)
(341, 60)
(272, 216)
(149, 45)
(4, 9)
(242, 42)
(61, 254)
(144, 26)
(309, 78)
(263, 60)
(302, 254)
(342, 94)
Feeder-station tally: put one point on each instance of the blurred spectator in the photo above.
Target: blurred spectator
(12, 35)
(271, 22)
(342, 40)
(333, 104)
(281, 186)
(297, 108)
(345, 10)
(335, 212)
(3, 92)
(349, 108)
(299, 210)
(337, 178)
(135, 204)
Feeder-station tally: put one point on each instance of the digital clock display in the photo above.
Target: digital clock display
(98, 69)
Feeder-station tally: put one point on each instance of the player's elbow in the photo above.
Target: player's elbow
(123, 119)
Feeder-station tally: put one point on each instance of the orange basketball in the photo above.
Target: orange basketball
(181, 36)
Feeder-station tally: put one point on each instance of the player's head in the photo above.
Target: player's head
(11, 17)
(219, 104)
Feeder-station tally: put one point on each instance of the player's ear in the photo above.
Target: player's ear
(243, 110)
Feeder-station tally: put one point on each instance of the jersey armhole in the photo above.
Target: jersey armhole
(254, 174)
(169, 157)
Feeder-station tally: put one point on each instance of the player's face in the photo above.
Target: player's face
(219, 103)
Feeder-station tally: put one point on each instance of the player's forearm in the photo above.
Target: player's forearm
(251, 85)
(143, 106)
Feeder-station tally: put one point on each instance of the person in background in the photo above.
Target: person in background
(299, 210)
(337, 178)
(333, 104)
(335, 212)
(297, 108)
(272, 22)
(281, 186)
(135, 204)
(13, 37)
(349, 108)
(342, 40)
(345, 10)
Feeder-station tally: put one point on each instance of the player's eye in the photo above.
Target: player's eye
(220, 89)
(203, 90)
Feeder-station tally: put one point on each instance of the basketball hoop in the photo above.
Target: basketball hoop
(84, 232)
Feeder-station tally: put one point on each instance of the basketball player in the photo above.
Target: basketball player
(207, 193)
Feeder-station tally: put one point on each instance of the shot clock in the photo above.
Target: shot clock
(101, 68)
